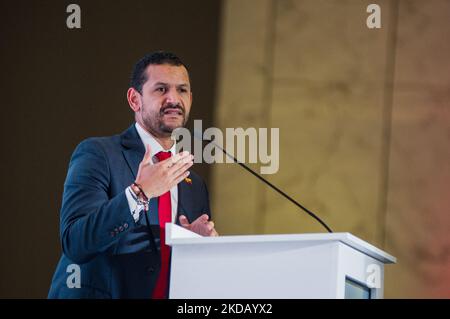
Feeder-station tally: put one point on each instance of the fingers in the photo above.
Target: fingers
(180, 170)
(179, 158)
(177, 170)
(181, 166)
(183, 221)
(208, 229)
(179, 178)
(214, 233)
(211, 231)
(209, 225)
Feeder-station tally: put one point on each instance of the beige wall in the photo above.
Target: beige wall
(364, 126)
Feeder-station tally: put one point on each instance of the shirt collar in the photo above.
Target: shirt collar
(148, 139)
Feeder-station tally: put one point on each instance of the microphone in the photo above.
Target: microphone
(199, 136)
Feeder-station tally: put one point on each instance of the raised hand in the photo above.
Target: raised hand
(156, 179)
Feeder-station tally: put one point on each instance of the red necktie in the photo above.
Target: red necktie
(165, 216)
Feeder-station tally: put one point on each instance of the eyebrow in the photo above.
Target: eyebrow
(166, 84)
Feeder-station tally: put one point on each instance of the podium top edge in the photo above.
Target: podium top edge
(345, 238)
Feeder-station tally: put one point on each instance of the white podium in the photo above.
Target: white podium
(337, 265)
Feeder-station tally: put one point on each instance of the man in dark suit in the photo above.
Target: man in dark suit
(121, 190)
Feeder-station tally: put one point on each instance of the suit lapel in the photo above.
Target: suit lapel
(133, 159)
(133, 149)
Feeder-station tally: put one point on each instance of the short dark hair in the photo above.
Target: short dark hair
(139, 76)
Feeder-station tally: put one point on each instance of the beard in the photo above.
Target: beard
(157, 122)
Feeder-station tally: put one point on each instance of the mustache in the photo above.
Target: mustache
(178, 107)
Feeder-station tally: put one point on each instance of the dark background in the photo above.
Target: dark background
(60, 86)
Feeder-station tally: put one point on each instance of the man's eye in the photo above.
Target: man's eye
(161, 89)
(183, 90)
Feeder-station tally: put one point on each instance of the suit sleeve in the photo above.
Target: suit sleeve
(91, 222)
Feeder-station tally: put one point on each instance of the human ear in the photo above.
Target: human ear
(134, 99)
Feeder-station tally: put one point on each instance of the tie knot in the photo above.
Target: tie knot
(161, 156)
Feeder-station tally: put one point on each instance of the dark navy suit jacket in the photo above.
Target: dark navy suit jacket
(116, 255)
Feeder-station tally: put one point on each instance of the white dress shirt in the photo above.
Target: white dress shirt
(148, 139)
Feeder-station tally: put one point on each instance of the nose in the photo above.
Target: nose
(173, 97)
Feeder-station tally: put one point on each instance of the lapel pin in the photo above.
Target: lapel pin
(188, 180)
